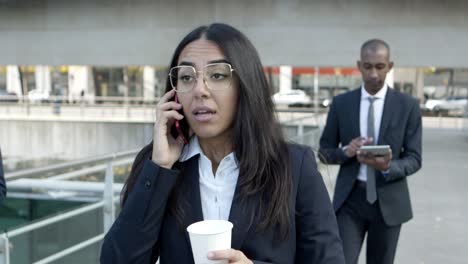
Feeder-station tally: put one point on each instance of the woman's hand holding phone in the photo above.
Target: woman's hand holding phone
(166, 148)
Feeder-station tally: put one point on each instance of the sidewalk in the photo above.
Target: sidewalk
(438, 232)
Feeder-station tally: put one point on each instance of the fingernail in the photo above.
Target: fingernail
(210, 254)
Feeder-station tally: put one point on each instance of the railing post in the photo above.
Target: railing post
(109, 208)
(4, 249)
(82, 107)
(300, 132)
(126, 108)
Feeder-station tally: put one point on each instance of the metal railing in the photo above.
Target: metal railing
(86, 108)
(313, 121)
(21, 180)
(132, 109)
(77, 100)
(56, 167)
(110, 195)
(465, 120)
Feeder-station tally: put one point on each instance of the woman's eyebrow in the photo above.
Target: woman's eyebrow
(219, 61)
(186, 63)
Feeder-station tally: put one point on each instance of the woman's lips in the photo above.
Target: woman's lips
(203, 114)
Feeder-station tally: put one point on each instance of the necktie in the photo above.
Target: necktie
(371, 193)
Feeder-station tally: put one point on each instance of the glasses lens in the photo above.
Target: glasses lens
(218, 76)
(183, 78)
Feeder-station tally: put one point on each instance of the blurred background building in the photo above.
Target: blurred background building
(80, 79)
(46, 39)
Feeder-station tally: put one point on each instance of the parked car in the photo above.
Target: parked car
(326, 94)
(36, 96)
(445, 106)
(293, 98)
(8, 97)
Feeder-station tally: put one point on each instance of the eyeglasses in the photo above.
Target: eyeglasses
(216, 76)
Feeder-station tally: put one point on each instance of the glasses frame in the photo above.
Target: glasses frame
(196, 75)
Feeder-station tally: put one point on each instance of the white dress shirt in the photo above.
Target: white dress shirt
(216, 191)
(364, 111)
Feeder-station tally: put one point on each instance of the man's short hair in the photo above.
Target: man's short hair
(374, 45)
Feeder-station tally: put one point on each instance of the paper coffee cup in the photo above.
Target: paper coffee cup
(209, 235)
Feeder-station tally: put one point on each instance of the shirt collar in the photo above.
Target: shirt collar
(381, 94)
(191, 149)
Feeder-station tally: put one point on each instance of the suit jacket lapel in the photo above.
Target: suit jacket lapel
(389, 108)
(238, 216)
(355, 113)
(194, 212)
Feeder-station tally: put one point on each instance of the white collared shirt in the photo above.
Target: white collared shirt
(363, 113)
(216, 191)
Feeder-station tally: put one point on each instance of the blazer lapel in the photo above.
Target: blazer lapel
(355, 113)
(194, 212)
(238, 216)
(389, 108)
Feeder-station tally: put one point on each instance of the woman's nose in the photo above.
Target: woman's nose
(201, 87)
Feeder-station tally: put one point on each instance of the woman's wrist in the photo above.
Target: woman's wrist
(162, 164)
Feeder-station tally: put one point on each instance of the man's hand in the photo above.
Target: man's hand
(355, 145)
(232, 255)
(381, 163)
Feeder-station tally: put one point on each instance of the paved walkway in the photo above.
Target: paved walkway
(439, 191)
(438, 233)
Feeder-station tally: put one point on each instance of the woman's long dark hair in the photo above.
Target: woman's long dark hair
(258, 140)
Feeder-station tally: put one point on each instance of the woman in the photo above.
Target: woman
(236, 166)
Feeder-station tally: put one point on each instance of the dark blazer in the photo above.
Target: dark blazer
(400, 128)
(2, 180)
(145, 229)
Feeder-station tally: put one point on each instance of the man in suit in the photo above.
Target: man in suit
(2, 180)
(371, 194)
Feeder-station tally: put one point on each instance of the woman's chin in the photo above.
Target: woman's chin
(209, 133)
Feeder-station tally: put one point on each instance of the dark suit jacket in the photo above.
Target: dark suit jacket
(400, 128)
(2, 180)
(145, 229)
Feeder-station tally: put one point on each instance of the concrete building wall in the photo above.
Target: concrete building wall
(26, 139)
(68, 140)
(293, 32)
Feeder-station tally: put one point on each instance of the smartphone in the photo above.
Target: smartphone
(376, 150)
(180, 128)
